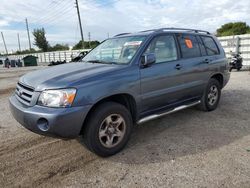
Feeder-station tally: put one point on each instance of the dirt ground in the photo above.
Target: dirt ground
(187, 149)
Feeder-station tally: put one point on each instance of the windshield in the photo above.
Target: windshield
(116, 50)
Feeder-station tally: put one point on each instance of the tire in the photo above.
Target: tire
(230, 70)
(238, 69)
(109, 120)
(207, 98)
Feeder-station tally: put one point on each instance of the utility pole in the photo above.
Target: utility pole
(28, 32)
(80, 22)
(18, 39)
(108, 35)
(89, 35)
(4, 44)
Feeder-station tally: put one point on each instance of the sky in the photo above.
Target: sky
(99, 17)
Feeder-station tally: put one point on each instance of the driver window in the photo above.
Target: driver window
(164, 48)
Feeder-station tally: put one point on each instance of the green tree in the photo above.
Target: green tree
(32, 50)
(93, 44)
(59, 47)
(40, 39)
(86, 45)
(78, 46)
(236, 28)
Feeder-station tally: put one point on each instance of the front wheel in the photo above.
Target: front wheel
(108, 129)
(211, 96)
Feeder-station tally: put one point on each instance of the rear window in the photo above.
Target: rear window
(210, 45)
(189, 46)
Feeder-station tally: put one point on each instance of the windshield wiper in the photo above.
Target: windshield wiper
(99, 61)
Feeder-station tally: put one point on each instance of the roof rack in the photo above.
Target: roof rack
(184, 29)
(177, 29)
(148, 30)
(121, 34)
(169, 29)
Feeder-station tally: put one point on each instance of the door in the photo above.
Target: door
(194, 65)
(161, 83)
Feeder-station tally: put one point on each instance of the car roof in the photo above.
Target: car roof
(164, 30)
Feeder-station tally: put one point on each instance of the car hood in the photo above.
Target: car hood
(65, 75)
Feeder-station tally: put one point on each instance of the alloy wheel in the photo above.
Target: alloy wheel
(112, 130)
(213, 95)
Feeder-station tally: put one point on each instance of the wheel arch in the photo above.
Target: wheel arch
(219, 77)
(124, 99)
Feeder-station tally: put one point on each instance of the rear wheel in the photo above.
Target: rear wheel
(108, 129)
(211, 96)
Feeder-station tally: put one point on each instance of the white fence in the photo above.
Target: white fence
(237, 43)
(45, 58)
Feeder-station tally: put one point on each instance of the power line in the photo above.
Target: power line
(57, 16)
(60, 10)
(49, 9)
(54, 11)
(52, 4)
(51, 25)
(53, 17)
(57, 10)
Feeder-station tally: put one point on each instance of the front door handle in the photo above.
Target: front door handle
(178, 66)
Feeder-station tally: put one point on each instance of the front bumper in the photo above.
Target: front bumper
(61, 122)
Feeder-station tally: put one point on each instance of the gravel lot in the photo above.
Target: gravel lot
(186, 149)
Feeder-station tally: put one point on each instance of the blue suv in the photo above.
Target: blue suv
(126, 80)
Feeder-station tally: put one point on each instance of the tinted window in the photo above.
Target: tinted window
(210, 45)
(164, 48)
(189, 46)
(202, 47)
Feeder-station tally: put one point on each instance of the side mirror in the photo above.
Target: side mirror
(148, 59)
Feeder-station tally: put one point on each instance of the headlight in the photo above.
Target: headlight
(57, 98)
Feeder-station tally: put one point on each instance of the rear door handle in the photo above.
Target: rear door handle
(207, 61)
(178, 66)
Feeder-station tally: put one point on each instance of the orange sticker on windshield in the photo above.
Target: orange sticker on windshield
(189, 43)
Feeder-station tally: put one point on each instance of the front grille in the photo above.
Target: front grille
(24, 93)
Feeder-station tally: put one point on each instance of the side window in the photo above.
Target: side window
(189, 46)
(210, 45)
(164, 48)
(202, 47)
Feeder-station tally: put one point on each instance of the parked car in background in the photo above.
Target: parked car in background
(126, 80)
